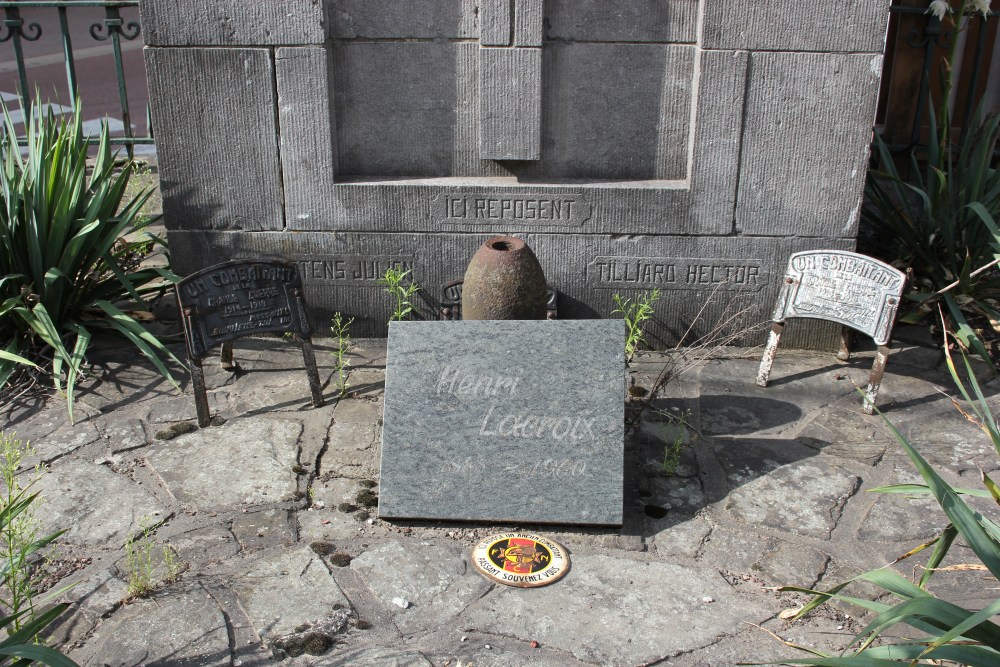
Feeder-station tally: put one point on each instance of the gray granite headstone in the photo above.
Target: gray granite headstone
(508, 421)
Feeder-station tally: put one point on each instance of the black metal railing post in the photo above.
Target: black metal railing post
(116, 29)
(112, 28)
(15, 33)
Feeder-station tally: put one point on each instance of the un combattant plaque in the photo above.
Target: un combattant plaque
(506, 421)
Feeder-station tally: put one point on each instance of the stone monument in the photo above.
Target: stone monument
(685, 145)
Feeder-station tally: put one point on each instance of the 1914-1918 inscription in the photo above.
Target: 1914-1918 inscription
(504, 421)
(843, 287)
(240, 298)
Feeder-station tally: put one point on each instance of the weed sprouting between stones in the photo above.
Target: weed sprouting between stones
(342, 334)
(401, 294)
(139, 565)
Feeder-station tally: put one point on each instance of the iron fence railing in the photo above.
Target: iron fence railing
(113, 28)
(934, 40)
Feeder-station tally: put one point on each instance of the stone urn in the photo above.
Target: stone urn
(504, 281)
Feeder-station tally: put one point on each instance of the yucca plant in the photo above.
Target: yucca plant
(68, 251)
(943, 216)
(948, 631)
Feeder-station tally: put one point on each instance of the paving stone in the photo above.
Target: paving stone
(328, 525)
(899, 518)
(770, 487)
(352, 450)
(260, 530)
(358, 411)
(98, 507)
(243, 462)
(735, 551)
(35, 427)
(846, 432)
(679, 497)
(731, 404)
(330, 493)
(378, 657)
(366, 382)
(125, 435)
(437, 581)
(189, 628)
(95, 593)
(595, 609)
(949, 441)
(65, 439)
(788, 564)
(685, 539)
(207, 545)
(173, 409)
(284, 588)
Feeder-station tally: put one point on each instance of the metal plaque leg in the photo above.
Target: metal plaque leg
(770, 350)
(309, 357)
(844, 354)
(875, 379)
(226, 357)
(200, 395)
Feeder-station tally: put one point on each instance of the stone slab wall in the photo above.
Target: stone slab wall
(686, 145)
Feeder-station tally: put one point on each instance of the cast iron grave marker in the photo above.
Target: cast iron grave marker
(241, 298)
(506, 421)
(840, 286)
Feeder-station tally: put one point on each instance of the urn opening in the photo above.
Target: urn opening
(502, 245)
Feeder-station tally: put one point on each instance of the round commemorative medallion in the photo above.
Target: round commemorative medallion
(520, 559)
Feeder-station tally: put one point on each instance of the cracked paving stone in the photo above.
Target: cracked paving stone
(204, 545)
(769, 487)
(353, 450)
(357, 411)
(125, 435)
(260, 530)
(950, 441)
(62, 441)
(95, 593)
(244, 462)
(899, 518)
(847, 433)
(595, 611)
(366, 382)
(787, 564)
(189, 628)
(99, 507)
(283, 589)
(680, 497)
(437, 581)
(678, 539)
(377, 657)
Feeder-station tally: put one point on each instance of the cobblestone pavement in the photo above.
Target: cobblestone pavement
(282, 561)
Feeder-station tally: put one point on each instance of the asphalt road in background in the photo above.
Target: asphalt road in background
(95, 67)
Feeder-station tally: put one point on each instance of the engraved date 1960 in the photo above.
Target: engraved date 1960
(541, 468)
